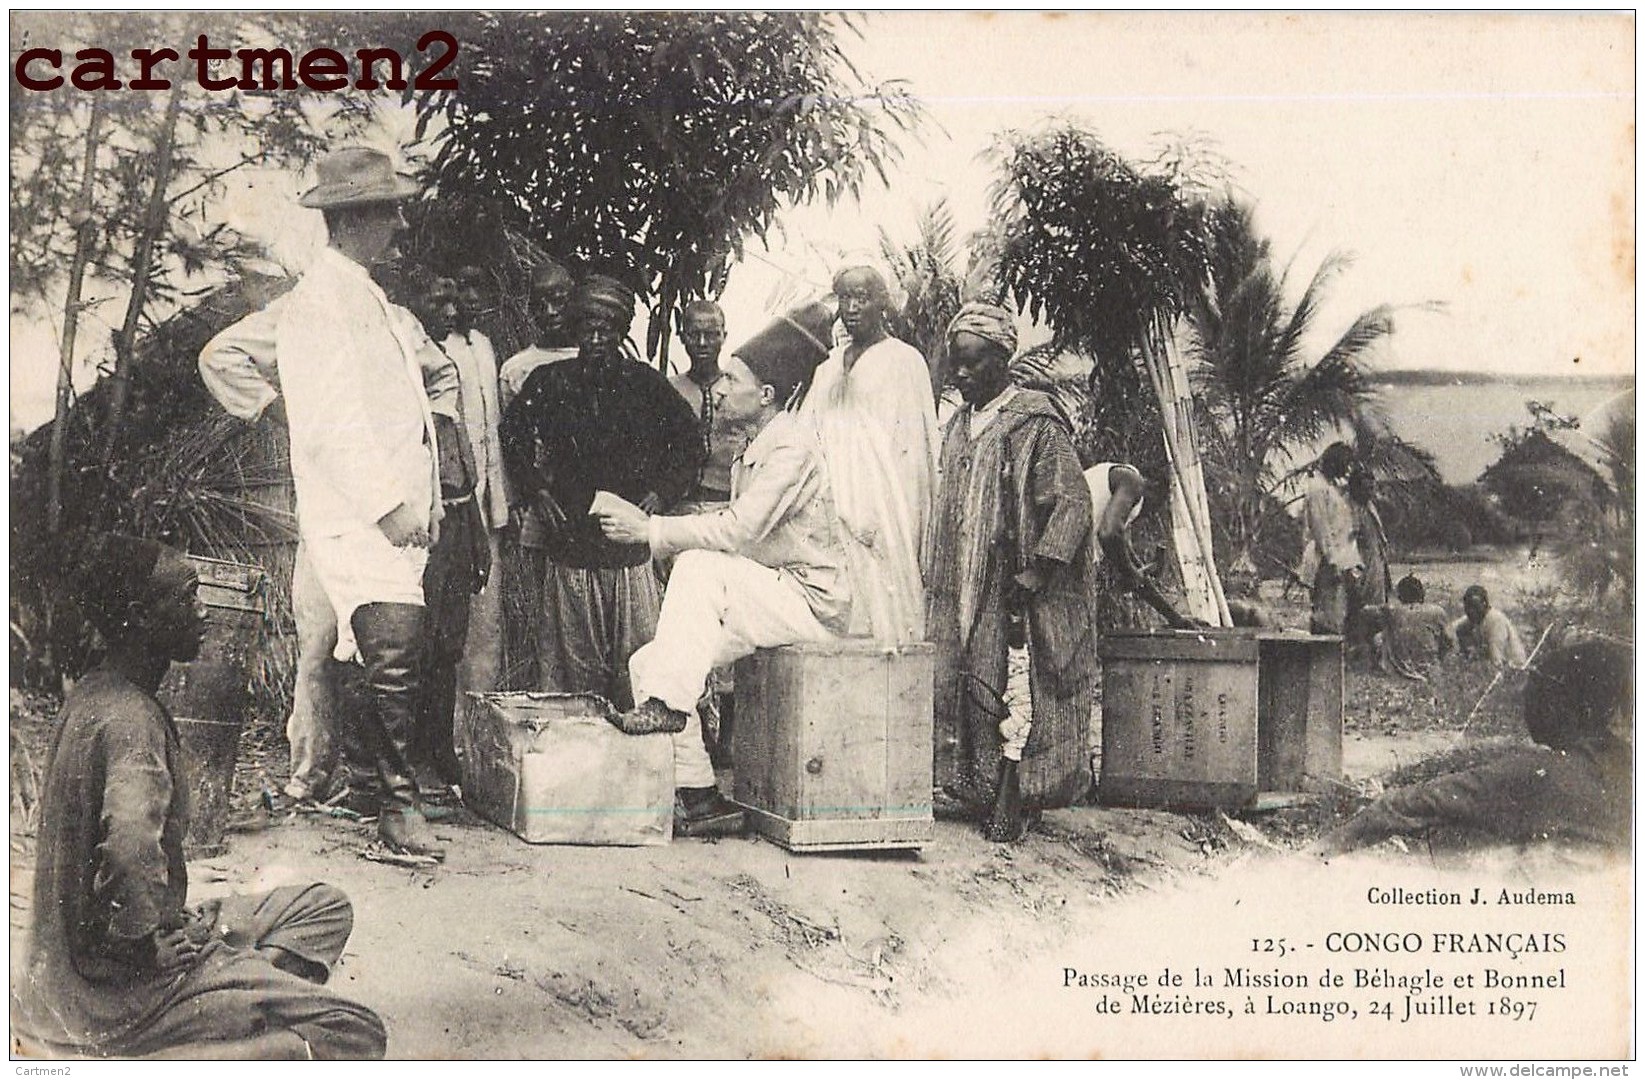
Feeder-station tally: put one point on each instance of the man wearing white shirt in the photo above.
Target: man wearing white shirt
(365, 459)
(238, 367)
(765, 569)
(1330, 540)
(476, 359)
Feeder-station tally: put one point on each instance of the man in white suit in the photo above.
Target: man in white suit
(367, 460)
(239, 368)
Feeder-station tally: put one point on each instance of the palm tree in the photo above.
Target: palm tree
(1113, 255)
(925, 271)
(1258, 394)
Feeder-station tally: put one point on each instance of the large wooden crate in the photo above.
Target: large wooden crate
(1209, 719)
(833, 744)
(208, 696)
(553, 770)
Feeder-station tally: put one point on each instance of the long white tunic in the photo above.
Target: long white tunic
(350, 366)
(878, 429)
(482, 413)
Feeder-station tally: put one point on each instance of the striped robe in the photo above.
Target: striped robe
(1012, 494)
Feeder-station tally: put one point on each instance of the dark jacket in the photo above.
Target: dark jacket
(577, 428)
(110, 870)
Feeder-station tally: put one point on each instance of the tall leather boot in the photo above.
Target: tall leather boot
(390, 637)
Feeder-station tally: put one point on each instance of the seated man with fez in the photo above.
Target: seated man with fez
(766, 570)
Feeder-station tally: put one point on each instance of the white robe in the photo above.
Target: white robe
(878, 429)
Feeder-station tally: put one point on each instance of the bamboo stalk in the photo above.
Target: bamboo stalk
(58, 464)
(154, 219)
(1171, 415)
(1188, 436)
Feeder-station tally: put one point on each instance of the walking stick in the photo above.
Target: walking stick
(1463, 730)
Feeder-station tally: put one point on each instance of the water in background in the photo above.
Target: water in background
(1455, 421)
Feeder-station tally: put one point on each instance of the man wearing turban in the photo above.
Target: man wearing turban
(599, 422)
(1009, 558)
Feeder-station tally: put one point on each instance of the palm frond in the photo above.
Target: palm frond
(1307, 306)
(1366, 331)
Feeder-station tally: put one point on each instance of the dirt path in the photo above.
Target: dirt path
(732, 948)
(739, 949)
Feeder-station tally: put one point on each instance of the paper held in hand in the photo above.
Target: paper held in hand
(606, 503)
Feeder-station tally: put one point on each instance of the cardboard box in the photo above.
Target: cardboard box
(553, 770)
(833, 744)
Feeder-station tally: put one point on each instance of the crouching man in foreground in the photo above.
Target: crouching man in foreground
(1575, 785)
(118, 966)
(767, 570)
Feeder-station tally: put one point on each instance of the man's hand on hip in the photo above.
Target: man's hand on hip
(404, 528)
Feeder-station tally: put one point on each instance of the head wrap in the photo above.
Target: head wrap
(113, 572)
(988, 321)
(597, 292)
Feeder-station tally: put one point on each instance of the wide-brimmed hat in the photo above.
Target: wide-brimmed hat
(356, 176)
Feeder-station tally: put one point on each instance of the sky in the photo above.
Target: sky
(1483, 163)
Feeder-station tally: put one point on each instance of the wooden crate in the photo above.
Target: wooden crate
(208, 696)
(553, 770)
(1209, 719)
(1299, 711)
(832, 745)
(1179, 720)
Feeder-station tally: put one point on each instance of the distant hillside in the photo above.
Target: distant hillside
(1428, 377)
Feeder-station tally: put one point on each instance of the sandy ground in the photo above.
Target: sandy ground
(736, 948)
(732, 948)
